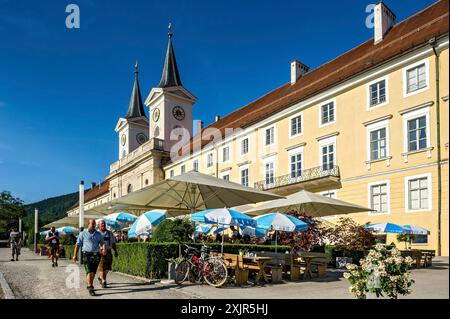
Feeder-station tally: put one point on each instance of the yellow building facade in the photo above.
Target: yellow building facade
(374, 139)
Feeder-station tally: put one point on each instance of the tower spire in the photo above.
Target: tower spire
(170, 75)
(135, 108)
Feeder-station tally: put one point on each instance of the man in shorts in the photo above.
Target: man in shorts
(15, 242)
(53, 242)
(106, 259)
(92, 247)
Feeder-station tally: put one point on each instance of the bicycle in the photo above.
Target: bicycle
(199, 266)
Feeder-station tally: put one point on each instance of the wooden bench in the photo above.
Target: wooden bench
(278, 265)
(236, 264)
(423, 258)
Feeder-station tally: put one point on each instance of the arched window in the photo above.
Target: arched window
(156, 132)
(146, 182)
(129, 188)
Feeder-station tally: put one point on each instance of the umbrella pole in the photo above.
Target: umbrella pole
(222, 242)
(276, 241)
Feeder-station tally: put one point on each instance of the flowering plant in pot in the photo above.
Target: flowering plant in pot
(382, 271)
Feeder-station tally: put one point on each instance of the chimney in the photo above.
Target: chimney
(297, 70)
(384, 20)
(198, 127)
(93, 184)
(217, 118)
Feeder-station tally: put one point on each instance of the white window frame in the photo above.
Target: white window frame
(323, 193)
(268, 160)
(208, 156)
(427, 77)
(229, 154)
(430, 193)
(301, 125)
(274, 135)
(412, 115)
(241, 141)
(374, 127)
(293, 152)
(242, 168)
(172, 173)
(369, 197)
(183, 169)
(333, 100)
(368, 93)
(326, 142)
(226, 173)
(194, 162)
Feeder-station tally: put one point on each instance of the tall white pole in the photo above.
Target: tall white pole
(20, 225)
(81, 215)
(36, 226)
(81, 207)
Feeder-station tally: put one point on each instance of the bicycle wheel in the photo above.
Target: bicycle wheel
(181, 272)
(215, 272)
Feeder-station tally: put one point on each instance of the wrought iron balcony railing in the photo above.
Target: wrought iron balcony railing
(306, 175)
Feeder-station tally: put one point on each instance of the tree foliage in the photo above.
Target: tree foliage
(176, 230)
(348, 236)
(11, 209)
(317, 234)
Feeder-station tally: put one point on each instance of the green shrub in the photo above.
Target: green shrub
(177, 230)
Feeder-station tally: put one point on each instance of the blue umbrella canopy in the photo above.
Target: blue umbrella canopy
(223, 216)
(386, 228)
(66, 230)
(254, 232)
(280, 222)
(110, 224)
(145, 222)
(121, 217)
(415, 230)
(203, 228)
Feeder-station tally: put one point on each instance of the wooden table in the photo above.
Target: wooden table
(261, 262)
(308, 262)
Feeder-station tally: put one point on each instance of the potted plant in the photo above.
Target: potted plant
(382, 271)
(173, 262)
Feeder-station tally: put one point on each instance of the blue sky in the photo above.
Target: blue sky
(63, 90)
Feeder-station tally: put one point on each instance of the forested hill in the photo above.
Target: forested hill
(54, 208)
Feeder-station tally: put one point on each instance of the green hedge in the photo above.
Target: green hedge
(150, 259)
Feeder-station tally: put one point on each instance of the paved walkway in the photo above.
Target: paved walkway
(33, 277)
(430, 283)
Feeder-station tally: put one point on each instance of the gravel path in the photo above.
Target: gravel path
(33, 277)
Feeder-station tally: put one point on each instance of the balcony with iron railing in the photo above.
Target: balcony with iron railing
(310, 179)
(152, 144)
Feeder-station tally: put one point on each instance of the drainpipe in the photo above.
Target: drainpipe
(433, 44)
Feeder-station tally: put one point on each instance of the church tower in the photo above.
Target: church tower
(170, 104)
(133, 128)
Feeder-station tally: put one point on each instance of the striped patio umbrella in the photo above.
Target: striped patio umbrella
(280, 222)
(386, 228)
(146, 222)
(67, 230)
(121, 217)
(415, 230)
(222, 217)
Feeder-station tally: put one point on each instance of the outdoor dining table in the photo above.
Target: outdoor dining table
(308, 262)
(261, 262)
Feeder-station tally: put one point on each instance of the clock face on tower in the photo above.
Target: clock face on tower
(178, 113)
(141, 138)
(123, 139)
(156, 114)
